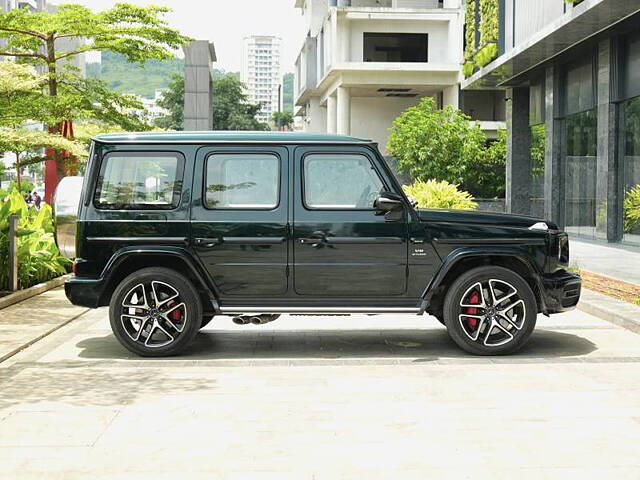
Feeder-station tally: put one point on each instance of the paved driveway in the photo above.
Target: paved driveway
(324, 397)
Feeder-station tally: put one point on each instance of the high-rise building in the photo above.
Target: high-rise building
(261, 73)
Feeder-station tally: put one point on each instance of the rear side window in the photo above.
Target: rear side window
(140, 181)
(242, 181)
(340, 182)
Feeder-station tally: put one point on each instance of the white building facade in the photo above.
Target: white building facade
(366, 61)
(261, 73)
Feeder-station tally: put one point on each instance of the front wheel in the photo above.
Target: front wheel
(490, 311)
(155, 312)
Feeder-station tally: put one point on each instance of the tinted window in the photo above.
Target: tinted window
(244, 181)
(395, 47)
(140, 181)
(340, 182)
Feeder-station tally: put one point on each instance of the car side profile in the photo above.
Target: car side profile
(173, 229)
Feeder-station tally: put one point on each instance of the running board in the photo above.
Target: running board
(242, 310)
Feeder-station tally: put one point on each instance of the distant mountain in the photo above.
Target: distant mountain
(126, 77)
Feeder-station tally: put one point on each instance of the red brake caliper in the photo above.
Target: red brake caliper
(474, 299)
(176, 315)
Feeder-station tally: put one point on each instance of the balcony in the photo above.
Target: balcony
(407, 4)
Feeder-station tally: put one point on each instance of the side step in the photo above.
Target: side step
(320, 310)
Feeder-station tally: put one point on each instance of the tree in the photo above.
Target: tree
(282, 120)
(172, 100)
(49, 39)
(441, 144)
(231, 107)
(22, 141)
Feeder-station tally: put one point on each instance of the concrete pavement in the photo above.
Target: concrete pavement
(324, 397)
(617, 261)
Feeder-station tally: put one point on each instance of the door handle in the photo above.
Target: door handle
(417, 240)
(207, 242)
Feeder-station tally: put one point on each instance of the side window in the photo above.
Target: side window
(340, 181)
(242, 181)
(140, 181)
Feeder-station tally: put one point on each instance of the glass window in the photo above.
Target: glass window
(140, 181)
(340, 182)
(538, 144)
(395, 47)
(581, 173)
(631, 201)
(242, 180)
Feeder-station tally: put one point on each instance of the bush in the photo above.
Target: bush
(444, 195)
(632, 209)
(39, 259)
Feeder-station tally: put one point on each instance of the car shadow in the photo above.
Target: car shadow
(425, 344)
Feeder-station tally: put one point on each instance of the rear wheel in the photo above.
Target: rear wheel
(490, 311)
(155, 312)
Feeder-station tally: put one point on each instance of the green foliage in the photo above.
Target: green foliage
(443, 195)
(490, 181)
(124, 77)
(441, 144)
(486, 54)
(632, 209)
(538, 145)
(282, 120)
(470, 34)
(468, 67)
(231, 107)
(173, 101)
(489, 29)
(39, 259)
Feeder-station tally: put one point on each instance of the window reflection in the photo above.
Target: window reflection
(631, 204)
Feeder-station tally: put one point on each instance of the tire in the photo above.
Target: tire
(482, 326)
(206, 319)
(152, 328)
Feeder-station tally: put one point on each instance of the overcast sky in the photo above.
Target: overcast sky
(226, 22)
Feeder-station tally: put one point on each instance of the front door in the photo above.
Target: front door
(239, 219)
(343, 247)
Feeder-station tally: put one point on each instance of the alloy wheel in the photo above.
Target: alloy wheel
(153, 314)
(491, 312)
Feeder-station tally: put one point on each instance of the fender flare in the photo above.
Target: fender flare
(464, 253)
(178, 253)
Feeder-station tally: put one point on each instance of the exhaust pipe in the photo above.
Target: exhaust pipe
(255, 319)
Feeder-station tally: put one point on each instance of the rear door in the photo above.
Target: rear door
(239, 219)
(343, 247)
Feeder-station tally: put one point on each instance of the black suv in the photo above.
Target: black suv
(173, 229)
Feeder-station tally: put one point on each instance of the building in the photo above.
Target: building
(571, 72)
(261, 73)
(364, 62)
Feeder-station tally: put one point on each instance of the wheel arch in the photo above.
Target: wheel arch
(462, 260)
(129, 260)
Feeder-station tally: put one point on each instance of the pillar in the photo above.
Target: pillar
(518, 151)
(332, 115)
(344, 111)
(609, 212)
(553, 202)
(198, 86)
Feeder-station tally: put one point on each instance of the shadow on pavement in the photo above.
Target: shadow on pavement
(338, 344)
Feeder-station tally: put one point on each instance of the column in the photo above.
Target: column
(344, 111)
(198, 86)
(332, 115)
(609, 212)
(553, 202)
(518, 151)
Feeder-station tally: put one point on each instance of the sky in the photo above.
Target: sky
(227, 22)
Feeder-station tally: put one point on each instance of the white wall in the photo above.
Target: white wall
(438, 32)
(315, 121)
(371, 117)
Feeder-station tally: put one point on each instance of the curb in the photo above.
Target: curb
(614, 311)
(27, 293)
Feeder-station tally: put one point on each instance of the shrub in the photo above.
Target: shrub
(632, 209)
(434, 194)
(39, 259)
(468, 67)
(486, 54)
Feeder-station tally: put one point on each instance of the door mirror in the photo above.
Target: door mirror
(391, 205)
(388, 202)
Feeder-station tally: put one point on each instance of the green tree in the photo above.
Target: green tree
(21, 142)
(231, 107)
(48, 39)
(282, 120)
(439, 144)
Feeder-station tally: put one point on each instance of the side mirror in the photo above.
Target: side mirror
(391, 205)
(388, 202)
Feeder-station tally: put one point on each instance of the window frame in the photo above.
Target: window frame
(180, 173)
(206, 206)
(303, 175)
